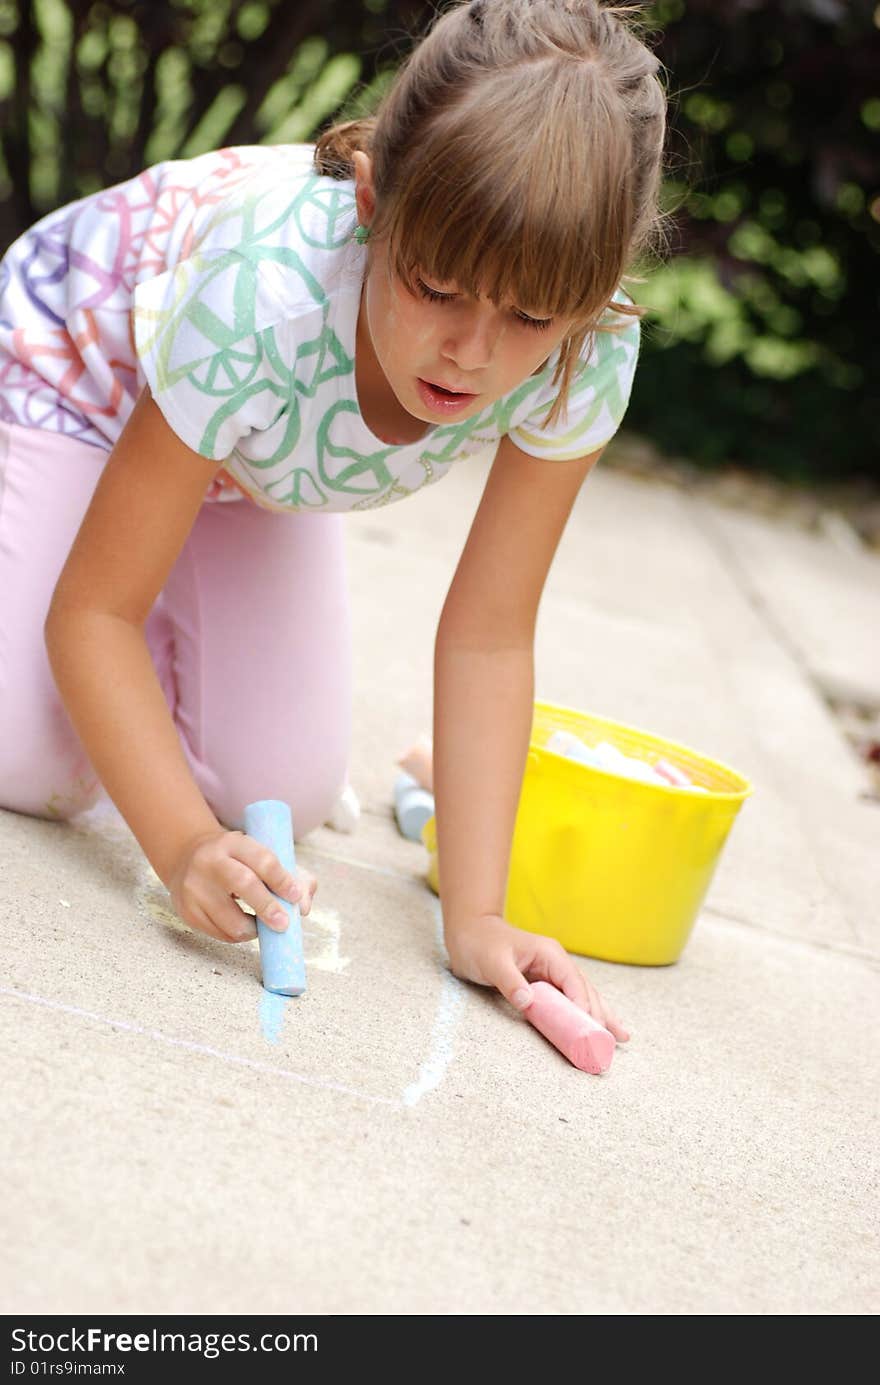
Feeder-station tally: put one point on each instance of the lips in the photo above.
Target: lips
(438, 401)
(450, 389)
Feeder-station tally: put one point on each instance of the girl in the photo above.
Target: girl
(203, 368)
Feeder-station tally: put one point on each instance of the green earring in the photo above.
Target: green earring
(361, 234)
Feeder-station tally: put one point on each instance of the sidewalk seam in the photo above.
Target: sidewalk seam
(812, 944)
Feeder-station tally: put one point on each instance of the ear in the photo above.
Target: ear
(365, 198)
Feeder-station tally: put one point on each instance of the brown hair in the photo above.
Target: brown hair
(519, 153)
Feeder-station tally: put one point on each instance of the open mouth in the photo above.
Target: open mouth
(446, 393)
(446, 403)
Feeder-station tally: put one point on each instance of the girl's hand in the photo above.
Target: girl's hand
(220, 865)
(492, 952)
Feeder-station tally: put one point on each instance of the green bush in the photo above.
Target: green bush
(763, 347)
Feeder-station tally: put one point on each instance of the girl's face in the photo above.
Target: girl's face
(460, 343)
(439, 336)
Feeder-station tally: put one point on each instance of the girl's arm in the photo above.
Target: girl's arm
(143, 508)
(484, 672)
(483, 708)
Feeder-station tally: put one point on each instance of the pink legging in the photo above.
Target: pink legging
(250, 638)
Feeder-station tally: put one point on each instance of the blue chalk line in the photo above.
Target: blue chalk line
(272, 1008)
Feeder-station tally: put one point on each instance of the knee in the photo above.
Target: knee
(310, 783)
(41, 784)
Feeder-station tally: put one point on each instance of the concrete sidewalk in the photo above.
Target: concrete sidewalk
(407, 1143)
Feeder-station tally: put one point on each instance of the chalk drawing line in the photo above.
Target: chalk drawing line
(432, 1070)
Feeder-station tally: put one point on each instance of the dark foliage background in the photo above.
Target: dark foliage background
(767, 348)
(762, 347)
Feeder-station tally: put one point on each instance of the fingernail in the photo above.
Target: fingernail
(522, 999)
(278, 916)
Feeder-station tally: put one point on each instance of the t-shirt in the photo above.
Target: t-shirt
(231, 284)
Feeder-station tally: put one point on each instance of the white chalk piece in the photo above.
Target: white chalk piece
(281, 954)
(346, 813)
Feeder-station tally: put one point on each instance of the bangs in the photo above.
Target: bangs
(496, 250)
(529, 222)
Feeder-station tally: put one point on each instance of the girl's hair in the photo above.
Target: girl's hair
(519, 153)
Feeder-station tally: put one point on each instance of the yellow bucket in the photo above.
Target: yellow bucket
(611, 866)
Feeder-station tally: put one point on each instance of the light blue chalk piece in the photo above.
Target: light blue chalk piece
(272, 1009)
(413, 805)
(281, 954)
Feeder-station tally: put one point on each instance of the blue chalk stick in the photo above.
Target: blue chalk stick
(281, 954)
(413, 805)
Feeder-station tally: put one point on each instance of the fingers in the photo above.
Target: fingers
(615, 1026)
(239, 879)
(562, 972)
(266, 875)
(234, 926)
(225, 867)
(265, 864)
(493, 953)
(601, 1011)
(512, 984)
(237, 926)
(567, 976)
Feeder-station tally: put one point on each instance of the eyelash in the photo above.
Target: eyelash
(539, 324)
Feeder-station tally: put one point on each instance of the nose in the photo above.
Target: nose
(472, 341)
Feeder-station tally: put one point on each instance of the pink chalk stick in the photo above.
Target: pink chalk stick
(419, 762)
(672, 774)
(583, 1040)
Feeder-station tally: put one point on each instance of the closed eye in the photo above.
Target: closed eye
(540, 323)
